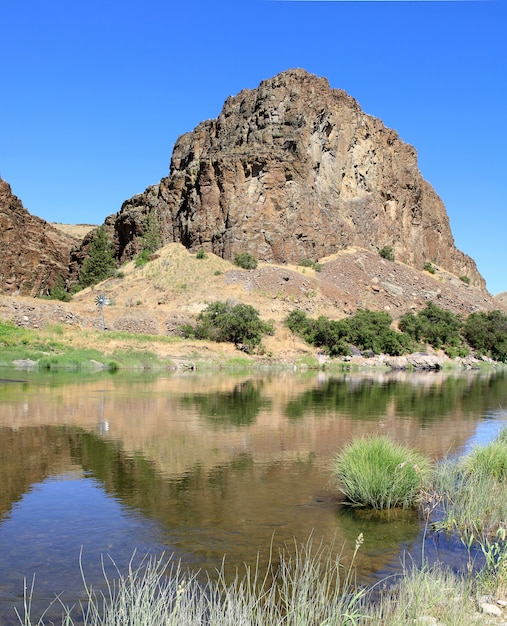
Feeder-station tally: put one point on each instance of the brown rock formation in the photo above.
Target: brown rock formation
(295, 170)
(32, 252)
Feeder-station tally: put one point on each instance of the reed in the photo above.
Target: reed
(307, 585)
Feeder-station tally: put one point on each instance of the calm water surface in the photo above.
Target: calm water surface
(204, 467)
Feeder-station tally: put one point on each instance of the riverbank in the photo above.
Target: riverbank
(62, 346)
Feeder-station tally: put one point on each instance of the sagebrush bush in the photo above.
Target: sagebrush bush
(428, 267)
(381, 474)
(387, 252)
(245, 260)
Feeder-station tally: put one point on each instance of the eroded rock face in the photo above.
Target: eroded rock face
(32, 252)
(295, 170)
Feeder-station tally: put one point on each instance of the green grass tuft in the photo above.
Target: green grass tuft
(488, 461)
(381, 474)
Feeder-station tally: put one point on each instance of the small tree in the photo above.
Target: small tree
(151, 240)
(100, 262)
(225, 322)
(487, 333)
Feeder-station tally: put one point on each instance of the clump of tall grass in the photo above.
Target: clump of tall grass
(381, 474)
(471, 491)
(426, 595)
(304, 586)
(489, 460)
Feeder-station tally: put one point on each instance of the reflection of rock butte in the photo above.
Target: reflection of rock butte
(149, 418)
(218, 488)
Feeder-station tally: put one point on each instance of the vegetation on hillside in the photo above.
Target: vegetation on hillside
(245, 260)
(100, 262)
(387, 253)
(366, 330)
(227, 322)
(487, 334)
(372, 332)
(151, 240)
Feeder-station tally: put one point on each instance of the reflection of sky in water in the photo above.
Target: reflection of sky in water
(486, 430)
(45, 531)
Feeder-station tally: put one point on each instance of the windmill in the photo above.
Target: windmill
(101, 301)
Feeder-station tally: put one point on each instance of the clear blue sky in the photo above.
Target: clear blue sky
(94, 94)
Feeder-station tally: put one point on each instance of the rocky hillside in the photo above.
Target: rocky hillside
(294, 170)
(33, 253)
(176, 285)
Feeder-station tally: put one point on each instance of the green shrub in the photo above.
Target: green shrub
(428, 267)
(465, 279)
(245, 260)
(309, 263)
(322, 332)
(438, 327)
(371, 330)
(367, 330)
(142, 258)
(225, 322)
(201, 254)
(58, 291)
(380, 474)
(487, 333)
(387, 252)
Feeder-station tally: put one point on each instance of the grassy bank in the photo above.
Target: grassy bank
(304, 586)
(59, 347)
(62, 347)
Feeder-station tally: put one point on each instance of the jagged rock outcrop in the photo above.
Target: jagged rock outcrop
(33, 254)
(295, 170)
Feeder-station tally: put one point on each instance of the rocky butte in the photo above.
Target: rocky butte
(33, 254)
(289, 171)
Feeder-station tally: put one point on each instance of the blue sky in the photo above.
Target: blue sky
(95, 93)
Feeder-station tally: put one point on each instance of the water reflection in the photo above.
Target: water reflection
(207, 466)
(237, 407)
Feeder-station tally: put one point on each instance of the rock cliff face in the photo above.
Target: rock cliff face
(295, 170)
(32, 252)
